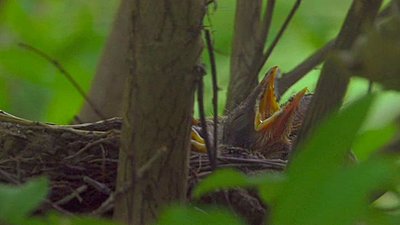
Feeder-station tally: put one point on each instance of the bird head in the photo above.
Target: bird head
(274, 123)
(260, 123)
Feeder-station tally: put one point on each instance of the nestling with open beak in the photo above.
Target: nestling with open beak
(259, 123)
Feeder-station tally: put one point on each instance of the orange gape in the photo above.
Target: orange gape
(271, 121)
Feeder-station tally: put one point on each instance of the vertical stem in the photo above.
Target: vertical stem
(165, 50)
(211, 54)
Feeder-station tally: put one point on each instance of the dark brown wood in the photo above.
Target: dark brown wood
(165, 50)
(247, 49)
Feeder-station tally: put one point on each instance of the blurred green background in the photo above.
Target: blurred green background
(74, 32)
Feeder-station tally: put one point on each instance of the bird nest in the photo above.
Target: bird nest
(81, 162)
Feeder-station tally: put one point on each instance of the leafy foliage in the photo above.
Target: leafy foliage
(196, 216)
(320, 186)
(17, 202)
(370, 140)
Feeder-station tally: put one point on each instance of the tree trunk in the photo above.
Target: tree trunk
(112, 71)
(247, 50)
(157, 117)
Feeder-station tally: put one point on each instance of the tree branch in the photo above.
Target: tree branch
(66, 74)
(210, 49)
(285, 24)
(267, 20)
(291, 77)
(203, 122)
(325, 101)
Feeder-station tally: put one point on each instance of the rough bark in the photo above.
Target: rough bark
(332, 84)
(247, 50)
(153, 158)
(112, 71)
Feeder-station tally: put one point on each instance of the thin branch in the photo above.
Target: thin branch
(105, 206)
(332, 85)
(75, 194)
(88, 146)
(285, 24)
(66, 74)
(200, 102)
(97, 185)
(266, 23)
(291, 77)
(210, 49)
(57, 208)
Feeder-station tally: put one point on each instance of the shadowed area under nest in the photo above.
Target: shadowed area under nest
(81, 160)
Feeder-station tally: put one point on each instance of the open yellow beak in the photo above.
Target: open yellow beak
(197, 142)
(269, 115)
(266, 104)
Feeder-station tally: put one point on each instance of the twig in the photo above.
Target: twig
(278, 163)
(88, 146)
(74, 194)
(215, 92)
(58, 208)
(266, 23)
(200, 102)
(268, 52)
(291, 77)
(106, 206)
(9, 177)
(7, 117)
(65, 73)
(97, 185)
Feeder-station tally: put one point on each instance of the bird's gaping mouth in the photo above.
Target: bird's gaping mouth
(270, 118)
(268, 114)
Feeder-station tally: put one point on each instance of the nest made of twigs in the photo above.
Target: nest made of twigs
(81, 162)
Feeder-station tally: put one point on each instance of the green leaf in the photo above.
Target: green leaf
(230, 178)
(330, 143)
(342, 198)
(225, 178)
(315, 163)
(371, 140)
(196, 216)
(17, 202)
(379, 217)
(270, 188)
